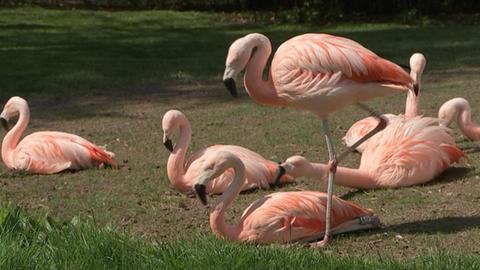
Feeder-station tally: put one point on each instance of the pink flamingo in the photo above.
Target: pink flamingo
(405, 153)
(319, 73)
(362, 127)
(282, 217)
(458, 110)
(260, 171)
(46, 152)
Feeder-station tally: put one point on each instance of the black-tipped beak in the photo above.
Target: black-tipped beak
(5, 124)
(232, 88)
(415, 89)
(278, 174)
(168, 144)
(201, 191)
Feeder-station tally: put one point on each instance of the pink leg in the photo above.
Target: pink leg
(382, 124)
(332, 163)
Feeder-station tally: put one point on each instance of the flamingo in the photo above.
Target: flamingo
(362, 127)
(281, 217)
(260, 171)
(46, 152)
(320, 73)
(405, 153)
(458, 109)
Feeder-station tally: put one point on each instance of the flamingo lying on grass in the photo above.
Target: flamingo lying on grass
(282, 217)
(46, 152)
(319, 73)
(405, 153)
(458, 110)
(260, 171)
(412, 109)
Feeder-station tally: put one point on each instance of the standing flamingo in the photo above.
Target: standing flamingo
(458, 110)
(405, 153)
(281, 217)
(260, 171)
(319, 73)
(412, 109)
(46, 152)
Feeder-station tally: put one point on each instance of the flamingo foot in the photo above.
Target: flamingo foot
(319, 244)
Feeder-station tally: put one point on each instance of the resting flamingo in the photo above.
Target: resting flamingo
(458, 110)
(362, 127)
(282, 217)
(260, 171)
(46, 152)
(319, 73)
(405, 153)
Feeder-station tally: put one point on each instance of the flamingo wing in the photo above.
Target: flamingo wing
(259, 171)
(321, 65)
(410, 152)
(292, 216)
(52, 152)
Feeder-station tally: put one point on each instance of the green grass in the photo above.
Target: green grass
(41, 243)
(79, 51)
(110, 77)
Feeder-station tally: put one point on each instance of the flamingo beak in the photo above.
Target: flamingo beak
(5, 123)
(168, 144)
(278, 174)
(201, 191)
(232, 88)
(416, 88)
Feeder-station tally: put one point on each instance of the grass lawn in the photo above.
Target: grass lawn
(110, 77)
(41, 243)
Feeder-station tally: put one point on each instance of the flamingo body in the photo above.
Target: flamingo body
(260, 171)
(281, 217)
(407, 152)
(322, 73)
(47, 152)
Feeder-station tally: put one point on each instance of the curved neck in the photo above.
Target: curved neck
(217, 214)
(347, 177)
(176, 160)
(465, 124)
(262, 91)
(412, 108)
(11, 139)
(412, 105)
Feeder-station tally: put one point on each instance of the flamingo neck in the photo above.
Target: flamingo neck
(412, 108)
(217, 214)
(465, 124)
(347, 177)
(10, 141)
(176, 160)
(262, 91)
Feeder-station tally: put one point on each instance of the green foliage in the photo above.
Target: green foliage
(28, 242)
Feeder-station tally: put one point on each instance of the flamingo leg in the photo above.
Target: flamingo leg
(333, 163)
(331, 178)
(382, 124)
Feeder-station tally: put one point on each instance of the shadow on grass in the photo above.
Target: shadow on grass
(78, 53)
(433, 226)
(470, 149)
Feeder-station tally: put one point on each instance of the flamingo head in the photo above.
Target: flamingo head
(11, 109)
(170, 124)
(451, 109)
(296, 166)
(239, 54)
(213, 166)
